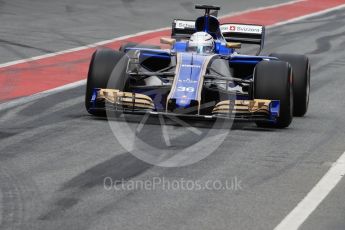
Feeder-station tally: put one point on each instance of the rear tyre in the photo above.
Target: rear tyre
(301, 74)
(103, 62)
(273, 81)
(134, 44)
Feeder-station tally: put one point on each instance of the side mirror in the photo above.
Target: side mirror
(234, 45)
(168, 41)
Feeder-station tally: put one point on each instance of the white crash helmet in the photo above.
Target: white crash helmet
(201, 42)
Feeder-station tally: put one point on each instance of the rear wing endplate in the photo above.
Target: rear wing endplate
(182, 29)
(244, 33)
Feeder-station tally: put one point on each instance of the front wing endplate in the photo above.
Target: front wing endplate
(125, 100)
(256, 107)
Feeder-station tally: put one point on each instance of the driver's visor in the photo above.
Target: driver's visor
(201, 49)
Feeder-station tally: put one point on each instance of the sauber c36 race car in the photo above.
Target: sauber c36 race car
(202, 75)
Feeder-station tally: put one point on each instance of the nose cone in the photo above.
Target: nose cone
(183, 106)
(182, 103)
(186, 89)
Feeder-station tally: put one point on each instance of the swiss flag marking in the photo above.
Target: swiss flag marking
(232, 28)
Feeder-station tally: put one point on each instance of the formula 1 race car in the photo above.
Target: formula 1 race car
(201, 76)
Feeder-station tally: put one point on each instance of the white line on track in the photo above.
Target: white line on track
(23, 100)
(308, 16)
(130, 36)
(81, 47)
(302, 211)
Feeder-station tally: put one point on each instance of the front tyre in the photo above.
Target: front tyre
(103, 62)
(301, 74)
(273, 81)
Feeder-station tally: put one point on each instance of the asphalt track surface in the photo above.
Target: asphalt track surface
(47, 26)
(54, 157)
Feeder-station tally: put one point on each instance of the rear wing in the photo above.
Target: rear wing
(182, 29)
(244, 33)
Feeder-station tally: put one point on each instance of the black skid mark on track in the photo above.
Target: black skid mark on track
(288, 37)
(71, 39)
(324, 43)
(17, 52)
(121, 167)
(124, 166)
(328, 25)
(6, 42)
(4, 135)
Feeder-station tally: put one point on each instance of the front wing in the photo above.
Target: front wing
(135, 103)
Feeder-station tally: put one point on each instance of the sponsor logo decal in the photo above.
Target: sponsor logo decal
(191, 66)
(184, 24)
(188, 81)
(238, 28)
(248, 29)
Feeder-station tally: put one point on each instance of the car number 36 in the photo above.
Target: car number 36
(185, 89)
